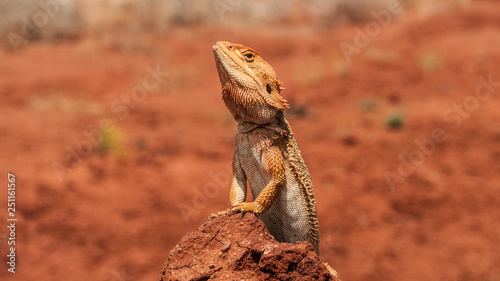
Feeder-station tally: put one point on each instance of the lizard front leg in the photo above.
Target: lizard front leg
(274, 164)
(238, 189)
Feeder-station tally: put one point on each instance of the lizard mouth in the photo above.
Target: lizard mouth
(221, 58)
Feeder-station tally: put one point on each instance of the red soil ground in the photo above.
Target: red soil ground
(115, 214)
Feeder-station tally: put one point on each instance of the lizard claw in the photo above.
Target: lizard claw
(332, 271)
(245, 207)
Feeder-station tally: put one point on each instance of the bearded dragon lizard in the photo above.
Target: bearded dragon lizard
(266, 154)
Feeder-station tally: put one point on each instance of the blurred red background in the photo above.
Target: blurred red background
(112, 122)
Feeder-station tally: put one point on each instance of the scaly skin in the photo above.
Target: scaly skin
(266, 154)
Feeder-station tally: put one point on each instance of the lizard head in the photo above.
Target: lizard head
(250, 88)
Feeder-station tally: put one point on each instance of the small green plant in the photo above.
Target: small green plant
(112, 141)
(395, 120)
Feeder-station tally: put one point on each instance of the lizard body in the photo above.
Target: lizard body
(266, 154)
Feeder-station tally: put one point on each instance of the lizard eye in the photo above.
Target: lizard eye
(249, 57)
(268, 89)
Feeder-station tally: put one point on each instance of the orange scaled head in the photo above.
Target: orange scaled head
(250, 88)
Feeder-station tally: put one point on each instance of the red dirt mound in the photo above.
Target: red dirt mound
(237, 246)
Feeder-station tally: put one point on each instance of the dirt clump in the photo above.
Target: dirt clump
(237, 247)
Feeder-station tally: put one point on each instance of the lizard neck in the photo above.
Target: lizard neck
(279, 125)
